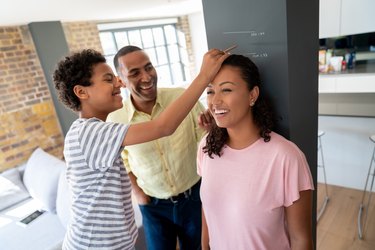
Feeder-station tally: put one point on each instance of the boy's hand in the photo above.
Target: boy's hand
(211, 64)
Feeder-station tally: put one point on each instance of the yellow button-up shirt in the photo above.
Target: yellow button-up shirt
(167, 166)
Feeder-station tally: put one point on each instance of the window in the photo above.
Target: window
(164, 44)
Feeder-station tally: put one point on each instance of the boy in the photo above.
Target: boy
(102, 216)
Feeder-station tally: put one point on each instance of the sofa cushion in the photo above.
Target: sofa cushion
(41, 178)
(12, 190)
(63, 200)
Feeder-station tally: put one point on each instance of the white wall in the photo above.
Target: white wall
(199, 44)
(198, 38)
(347, 149)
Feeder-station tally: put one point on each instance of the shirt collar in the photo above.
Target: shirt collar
(133, 111)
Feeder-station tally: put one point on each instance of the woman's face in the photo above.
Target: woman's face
(229, 99)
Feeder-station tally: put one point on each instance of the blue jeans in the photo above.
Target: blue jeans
(165, 220)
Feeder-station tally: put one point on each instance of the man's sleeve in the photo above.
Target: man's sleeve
(125, 158)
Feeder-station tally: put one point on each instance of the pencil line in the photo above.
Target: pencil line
(239, 32)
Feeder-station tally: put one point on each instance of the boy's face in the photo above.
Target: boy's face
(139, 76)
(104, 95)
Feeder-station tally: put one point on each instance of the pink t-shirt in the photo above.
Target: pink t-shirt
(244, 193)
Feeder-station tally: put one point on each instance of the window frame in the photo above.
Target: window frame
(173, 79)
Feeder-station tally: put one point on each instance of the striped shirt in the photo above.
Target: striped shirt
(101, 214)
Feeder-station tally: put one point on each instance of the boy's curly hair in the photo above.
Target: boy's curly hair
(263, 115)
(76, 69)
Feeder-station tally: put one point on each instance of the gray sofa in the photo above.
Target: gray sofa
(39, 184)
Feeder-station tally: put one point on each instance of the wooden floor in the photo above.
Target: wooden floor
(337, 227)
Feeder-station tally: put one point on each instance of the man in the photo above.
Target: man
(163, 172)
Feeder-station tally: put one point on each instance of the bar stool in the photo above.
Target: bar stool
(367, 192)
(322, 165)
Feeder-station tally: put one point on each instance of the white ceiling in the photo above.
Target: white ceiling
(18, 12)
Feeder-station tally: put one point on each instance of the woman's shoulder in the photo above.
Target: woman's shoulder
(281, 143)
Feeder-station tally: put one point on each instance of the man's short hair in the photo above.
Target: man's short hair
(122, 52)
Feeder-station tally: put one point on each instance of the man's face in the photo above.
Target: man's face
(139, 76)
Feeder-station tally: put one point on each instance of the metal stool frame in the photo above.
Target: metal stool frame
(361, 226)
(326, 198)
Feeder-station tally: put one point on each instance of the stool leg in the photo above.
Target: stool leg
(362, 206)
(326, 198)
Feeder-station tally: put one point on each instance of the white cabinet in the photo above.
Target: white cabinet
(329, 18)
(356, 84)
(357, 16)
(327, 84)
(347, 83)
(346, 17)
(347, 94)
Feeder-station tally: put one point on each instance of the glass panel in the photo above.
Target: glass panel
(170, 34)
(121, 39)
(162, 55)
(125, 93)
(178, 77)
(110, 63)
(173, 53)
(164, 77)
(187, 74)
(158, 36)
(152, 54)
(147, 38)
(108, 44)
(135, 38)
(181, 38)
(184, 56)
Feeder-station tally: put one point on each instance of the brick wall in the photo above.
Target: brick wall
(82, 35)
(183, 25)
(27, 113)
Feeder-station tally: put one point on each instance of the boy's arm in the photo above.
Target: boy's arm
(173, 115)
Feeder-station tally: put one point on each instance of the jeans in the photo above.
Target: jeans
(165, 220)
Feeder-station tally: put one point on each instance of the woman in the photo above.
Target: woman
(256, 186)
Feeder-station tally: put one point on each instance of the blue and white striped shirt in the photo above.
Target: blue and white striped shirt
(102, 212)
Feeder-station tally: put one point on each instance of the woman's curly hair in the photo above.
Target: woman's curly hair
(76, 69)
(262, 114)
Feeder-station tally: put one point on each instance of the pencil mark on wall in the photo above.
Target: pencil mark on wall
(257, 55)
(252, 33)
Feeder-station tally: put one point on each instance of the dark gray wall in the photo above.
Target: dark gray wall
(51, 46)
(281, 37)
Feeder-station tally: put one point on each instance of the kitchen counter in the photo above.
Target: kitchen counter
(359, 69)
(348, 93)
(361, 79)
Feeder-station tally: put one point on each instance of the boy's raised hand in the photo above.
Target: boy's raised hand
(211, 64)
